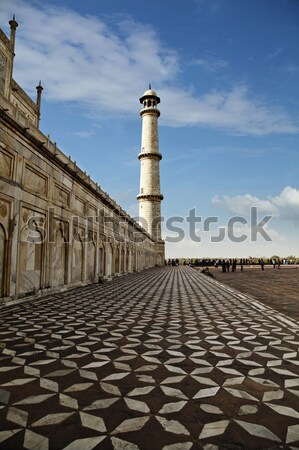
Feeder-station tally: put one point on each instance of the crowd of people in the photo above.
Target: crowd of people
(228, 264)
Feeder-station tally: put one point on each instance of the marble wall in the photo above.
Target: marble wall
(57, 227)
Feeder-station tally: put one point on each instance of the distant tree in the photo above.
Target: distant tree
(275, 257)
(292, 259)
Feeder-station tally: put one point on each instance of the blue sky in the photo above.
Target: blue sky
(227, 74)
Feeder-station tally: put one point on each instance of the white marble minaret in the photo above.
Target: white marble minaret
(150, 197)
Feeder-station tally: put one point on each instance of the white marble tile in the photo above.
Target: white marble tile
(241, 394)
(34, 399)
(147, 368)
(285, 372)
(49, 384)
(93, 422)
(247, 409)
(8, 368)
(273, 395)
(171, 380)
(204, 380)
(95, 365)
(173, 426)
(292, 434)
(258, 430)
(52, 419)
(85, 443)
(120, 444)
(110, 389)
(211, 409)
(42, 362)
(213, 429)
(141, 391)
(35, 441)
(18, 382)
(209, 392)
(116, 376)
(78, 387)
(172, 392)
(284, 410)
(259, 371)
(101, 404)
(175, 369)
(172, 407)
(122, 366)
(69, 402)
(137, 405)
(291, 382)
(88, 374)
(233, 381)
(17, 416)
(131, 425)
(178, 446)
(294, 391)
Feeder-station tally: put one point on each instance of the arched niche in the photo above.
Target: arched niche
(59, 258)
(3, 244)
(31, 259)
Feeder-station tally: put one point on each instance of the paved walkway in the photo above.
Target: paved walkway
(163, 359)
(277, 288)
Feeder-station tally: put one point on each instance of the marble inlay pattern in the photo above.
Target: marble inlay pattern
(162, 359)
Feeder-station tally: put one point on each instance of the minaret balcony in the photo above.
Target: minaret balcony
(157, 197)
(150, 155)
(150, 110)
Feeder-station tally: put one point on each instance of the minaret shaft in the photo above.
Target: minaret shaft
(150, 196)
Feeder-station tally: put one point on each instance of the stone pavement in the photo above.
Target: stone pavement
(277, 288)
(162, 359)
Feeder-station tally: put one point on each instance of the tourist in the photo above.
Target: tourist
(227, 265)
(207, 272)
(234, 265)
(262, 263)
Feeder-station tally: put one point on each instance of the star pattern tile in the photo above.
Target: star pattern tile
(165, 359)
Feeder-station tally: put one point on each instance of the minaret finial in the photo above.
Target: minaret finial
(13, 26)
(39, 89)
(150, 86)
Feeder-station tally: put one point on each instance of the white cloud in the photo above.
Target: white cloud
(285, 205)
(241, 204)
(84, 134)
(104, 64)
(288, 202)
(274, 53)
(211, 64)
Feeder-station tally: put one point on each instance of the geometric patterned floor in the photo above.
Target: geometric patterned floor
(162, 359)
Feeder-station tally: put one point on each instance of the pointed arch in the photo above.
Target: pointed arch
(31, 259)
(59, 258)
(77, 258)
(91, 260)
(3, 245)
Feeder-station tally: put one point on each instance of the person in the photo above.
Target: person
(234, 265)
(227, 265)
(207, 272)
(223, 266)
(262, 262)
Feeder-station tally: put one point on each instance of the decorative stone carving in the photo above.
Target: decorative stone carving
(35, 181)
(3, 210)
